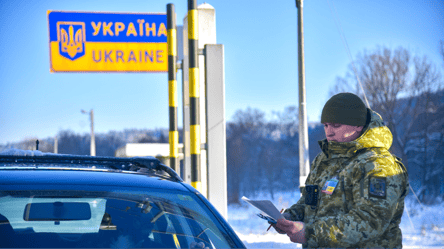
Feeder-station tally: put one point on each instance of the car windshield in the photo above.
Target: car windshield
(123, 219)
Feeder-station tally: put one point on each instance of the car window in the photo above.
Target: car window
(128, 218)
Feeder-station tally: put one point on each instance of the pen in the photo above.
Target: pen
(272, 225)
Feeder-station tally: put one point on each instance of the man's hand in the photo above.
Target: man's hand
(287, 217)
(278, 230)
(294, 229)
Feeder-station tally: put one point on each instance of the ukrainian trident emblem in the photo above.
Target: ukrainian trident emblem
(71, 38)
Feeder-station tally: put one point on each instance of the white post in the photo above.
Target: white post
(216, 129)
(56, 145)
(93, 139)
(304, 164)
(186, 106)
(207, 35)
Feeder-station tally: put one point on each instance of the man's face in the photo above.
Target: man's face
(341, 133)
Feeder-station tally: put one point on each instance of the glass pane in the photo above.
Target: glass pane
(129, 218)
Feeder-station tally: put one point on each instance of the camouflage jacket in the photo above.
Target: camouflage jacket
(365, 207)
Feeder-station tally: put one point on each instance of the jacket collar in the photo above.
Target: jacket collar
(334, 149)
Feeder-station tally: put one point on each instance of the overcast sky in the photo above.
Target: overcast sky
(260, 43)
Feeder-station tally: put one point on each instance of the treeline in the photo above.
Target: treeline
(69, 142)
(263, 154)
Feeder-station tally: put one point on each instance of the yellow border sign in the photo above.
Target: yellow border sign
(107, 42)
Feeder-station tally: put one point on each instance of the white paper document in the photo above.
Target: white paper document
(266, 207)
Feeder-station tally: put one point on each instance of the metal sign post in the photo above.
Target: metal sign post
(213, 171)
(304, 164)
(194, 89)
(172, 88)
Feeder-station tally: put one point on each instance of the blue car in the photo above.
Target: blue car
(66, 201)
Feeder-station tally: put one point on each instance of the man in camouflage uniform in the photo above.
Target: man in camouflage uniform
(354, 194)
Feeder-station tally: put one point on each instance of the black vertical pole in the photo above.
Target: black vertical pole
(172, 87)
(194, 94)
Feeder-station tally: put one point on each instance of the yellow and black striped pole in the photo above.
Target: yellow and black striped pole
(172, 87)
(194, 95)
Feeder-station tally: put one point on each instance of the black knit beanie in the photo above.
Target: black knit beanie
(344, 108)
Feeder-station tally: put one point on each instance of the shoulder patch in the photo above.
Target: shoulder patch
(377, 187)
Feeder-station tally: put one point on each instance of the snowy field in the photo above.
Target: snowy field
(424, 229)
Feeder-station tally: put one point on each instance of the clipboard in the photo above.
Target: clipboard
(269, 212)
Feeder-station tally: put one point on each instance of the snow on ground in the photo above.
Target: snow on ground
(424, 230)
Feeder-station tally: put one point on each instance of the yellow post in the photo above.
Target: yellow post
(194, 95)
(172, 87)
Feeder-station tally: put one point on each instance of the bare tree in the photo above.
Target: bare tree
(246, 127)
(287, 121)
(72, 143)
(343, 84)
(269, 164)
(282, 171)
(261, 154)
(387, 76)
(429, 124)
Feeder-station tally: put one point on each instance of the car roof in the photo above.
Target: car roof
(92, 179)
(37, 168)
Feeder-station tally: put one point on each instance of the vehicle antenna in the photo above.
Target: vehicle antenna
(344, 41)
